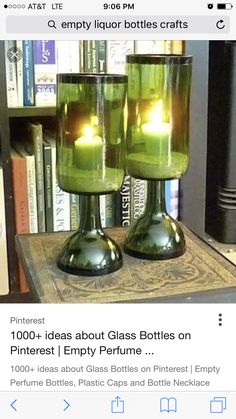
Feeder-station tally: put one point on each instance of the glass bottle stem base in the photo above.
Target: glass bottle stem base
(89, 251)
(155, 235)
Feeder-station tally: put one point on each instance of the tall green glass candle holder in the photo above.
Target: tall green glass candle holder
(90, 162)
(157, 141)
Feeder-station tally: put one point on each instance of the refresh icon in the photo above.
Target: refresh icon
(220, 24)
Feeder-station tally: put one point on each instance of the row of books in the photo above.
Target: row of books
(41, 206)
(31, 76)
(39, 203)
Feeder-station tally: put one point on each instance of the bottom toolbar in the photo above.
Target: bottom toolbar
(102, 405)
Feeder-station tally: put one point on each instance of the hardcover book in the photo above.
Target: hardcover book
(31, 186)
(35, 147)
(20, 192)
(47, 157)
(45, 73)
(116, 53)
(11, 74)
(60, 199)
(21, 208)
(90, 49)
(101, 47)
(28, 74)
(74, 211)
(68, 56)
(123, 203)
(138, 198)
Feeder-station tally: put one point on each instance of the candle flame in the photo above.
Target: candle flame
(88, 131)
(156, 114)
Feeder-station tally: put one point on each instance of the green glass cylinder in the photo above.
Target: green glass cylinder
(90, 142)
(157, 146)
(90, 162)
(158, 115)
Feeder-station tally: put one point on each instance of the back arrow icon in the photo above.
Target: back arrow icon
(12, 405)
(67, 405)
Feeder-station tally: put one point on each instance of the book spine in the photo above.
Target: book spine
(125, 204)
(168, 47)
(45, 73)
(11, 74)
(101, 48)
(37, 139)
(177, 47)
(90, 56)
(68, 56)
(32, 198)
(60, 200)
(81, 56)
(149, 47)
(4, 278)
(48, 187)
(116, 53)
(61, 219)
(28, 74)
(109, 210)
(168, 196)
(102, 205)
(74, 211)
(174, 198)
(138, 198)
(20, 194)
(19, 69)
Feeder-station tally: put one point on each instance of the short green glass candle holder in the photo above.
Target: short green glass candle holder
(90, 162)
(155, 235)
(157, 146)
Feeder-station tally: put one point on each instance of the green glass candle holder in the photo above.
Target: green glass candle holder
(90, 162)
(157, 146)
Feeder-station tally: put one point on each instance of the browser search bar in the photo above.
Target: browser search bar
(121, 24)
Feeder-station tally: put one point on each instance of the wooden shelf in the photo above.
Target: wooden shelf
(17, 298)
(28, 111)
(202, 273)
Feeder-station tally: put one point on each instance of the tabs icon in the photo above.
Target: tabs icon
(218, 405)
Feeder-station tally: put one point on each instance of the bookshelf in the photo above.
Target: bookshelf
(31, 111)
(11, 120)
(5, 155)
(193, 186)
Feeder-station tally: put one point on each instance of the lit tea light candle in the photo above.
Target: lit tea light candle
(156, 132)
(89, 150)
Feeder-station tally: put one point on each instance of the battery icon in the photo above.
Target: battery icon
(224, 6)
